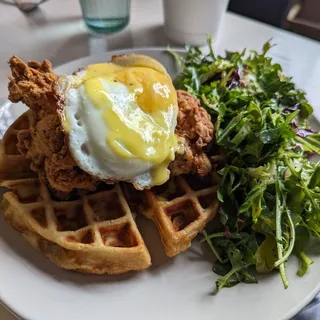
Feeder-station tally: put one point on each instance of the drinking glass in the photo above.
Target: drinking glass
(106, 16)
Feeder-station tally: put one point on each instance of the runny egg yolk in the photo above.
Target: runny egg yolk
(141, 121)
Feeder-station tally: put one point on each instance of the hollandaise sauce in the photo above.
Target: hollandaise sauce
(139, 107)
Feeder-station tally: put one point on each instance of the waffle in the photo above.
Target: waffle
(181, 209)
(96, 233)
(13, 165)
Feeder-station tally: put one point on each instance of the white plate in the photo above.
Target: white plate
(177, 288)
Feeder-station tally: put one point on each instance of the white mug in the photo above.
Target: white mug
(189, 21)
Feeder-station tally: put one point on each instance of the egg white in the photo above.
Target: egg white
(87, 135)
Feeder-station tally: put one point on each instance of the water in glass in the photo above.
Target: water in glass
(105, 16)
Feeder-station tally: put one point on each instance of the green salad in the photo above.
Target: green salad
(270, 190)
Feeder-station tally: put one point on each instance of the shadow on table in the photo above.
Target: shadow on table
(36, 19)
(159, 38)
(74, 47)
(7, 2)
(311, 311)
(87, 44)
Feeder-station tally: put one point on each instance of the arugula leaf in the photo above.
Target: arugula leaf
(305, 262)
(266, 255)
(269, 190)
(315, 177)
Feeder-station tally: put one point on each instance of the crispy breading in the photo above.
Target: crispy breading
(195, 129)
(194, 122)
(33, 84)
(46, 143)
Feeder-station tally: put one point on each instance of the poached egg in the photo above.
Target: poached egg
(120, 119)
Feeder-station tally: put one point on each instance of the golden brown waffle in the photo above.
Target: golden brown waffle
(97, 233)
(181, 209)
(94, 234)
(13, 165)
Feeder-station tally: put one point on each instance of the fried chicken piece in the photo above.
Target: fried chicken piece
(63, 173)
(195, 131)
(33, 85)
(46, 144)
(194, 122)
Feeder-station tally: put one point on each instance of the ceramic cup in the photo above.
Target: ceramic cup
(189, 21)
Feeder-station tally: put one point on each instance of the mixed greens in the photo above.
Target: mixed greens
(270, 191)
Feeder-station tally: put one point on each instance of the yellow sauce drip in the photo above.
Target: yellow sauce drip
(138, 117)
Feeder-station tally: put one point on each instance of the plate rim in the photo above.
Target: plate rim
(121, 51)
(291, 313)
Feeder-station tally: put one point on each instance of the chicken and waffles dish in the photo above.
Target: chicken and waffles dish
(96, 149)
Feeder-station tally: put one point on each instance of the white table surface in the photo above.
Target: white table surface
(56, 32)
